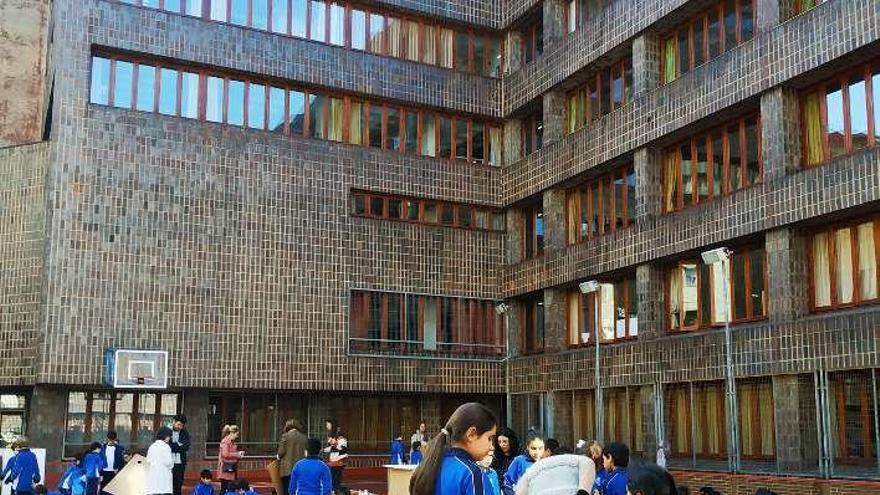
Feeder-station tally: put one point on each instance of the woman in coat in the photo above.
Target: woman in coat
(227, 462)
(159, 464)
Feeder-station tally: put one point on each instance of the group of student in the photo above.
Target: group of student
(471, 456)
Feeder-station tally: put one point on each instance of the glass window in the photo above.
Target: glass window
(843, 266)
(218, 10)
(429, 135)
(495, 138)
(168, 91)
(753, 165)
(430, 215)
(445, 137)
(359, 204)
(194, 8)
(701, 170)
(394, 208)
(733, 145)
(395, 36)
(738, 283)
(412, 211)
(99, 92)
(189, 95)
(146, 88)
(412, 40)
(461, 139)
(699, 39)
(276, 109)
(686, 173)
(393, 131)
(465, 216)
(821, 271)
(714, 35)
(411, 131)
(867, 261)
(858, 112)
(836, 136)
(239, 12)
(447, 214)
(429, 38)
(377, 33)
(747, 20)
(279, 16)
(875, 92)
(729, 24)
(235, 108)
(317, 116)
(317, 24)
(356, 123)
(256, 106)
(377, 206)
(444, 49)
(461, 51)
(214, 100)
(337, 24)
(376, 126)
(297, 111)
(358, 29)
(757, 283)
(812, 115)
(299, 17)
(334, 120)
(477, 142)
(259, 14)
(123, 84)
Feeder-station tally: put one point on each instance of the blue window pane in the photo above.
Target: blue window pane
(154, 4)
(238, 12)
(122, 86)
(235, 109)
(260, 14)
(318, 24)
(256, 106)
(172, 5)
(337, 24)
(168, 92)
(836, 131)
(194, 7)
(358, 29)
(189, 95)
(276, 109)
(279, 16)
(218, 10)
(298, 18)
(214, 100)
(146, 90)
(297, 112)
(100, 87)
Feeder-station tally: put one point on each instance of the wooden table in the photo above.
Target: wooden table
(398, 478)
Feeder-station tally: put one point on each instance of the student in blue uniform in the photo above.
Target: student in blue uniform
(615, 459)
(648, 479)
(4, 475)
(494, 482)
(72, 476)
(93, 465)
(205, 485)
(311, 475)
(534, 451)
(398, 451)
(415, 458)
(450, 466)
(25, 473)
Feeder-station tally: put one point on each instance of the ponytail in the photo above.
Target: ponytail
(467, 416)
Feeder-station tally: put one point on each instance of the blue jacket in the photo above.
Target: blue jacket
(494, 483)
(73, 472)
(310, 476)
(10, 464)
(92, 464)
(398, 452)
(601, 474)
(615, 482)
(515, 471)
(118, 457)
(26, 472)
(415, 458)
(460, 475)
(203, 489)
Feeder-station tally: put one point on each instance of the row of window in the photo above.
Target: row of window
(611, 312)
(601, 206)
(531, 42)
(13, 414)
(579, 12)
(395, 323)
(603, 93)
(719, 28)
(841, 115)
(426, 211)
(844, 263)
(711, 164)
(220, 98)
(352, 26)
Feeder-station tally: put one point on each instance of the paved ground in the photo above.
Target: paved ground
(354, 479)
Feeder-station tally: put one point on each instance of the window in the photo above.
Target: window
(392, 323)
(705, 36)
(584, 413)
(587, 215)
(853, 411)
(420, 211)
(317, 23)
(337, 24)
(532, 232)
(532, 133)
(358, 29)
(611, 311)
(462, 51)
(623, 417)
(167, 91)
(123, 80)
(280, 17)
(189, 95)
(532, 325)
(532, 40)
(146, 88)
(710, 164)
(299, 17)
(256, 106)
(839, 116)
(133, 416)
(696, 291)
(755, 414)
(705, 437)
(100, 87)
(13, 416)
(843, 263)
(603, 93)
(260, 418)
(801, 6)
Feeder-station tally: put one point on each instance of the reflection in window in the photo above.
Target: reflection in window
(239, 12)
(297, 105)
(256, 106)
(168, 91)
(189, 95)
(299, 16)
(146, 88)
(358, 29)
(317, 116)
(429, 135)
(235, 108)
(411, 131)
(123, 84)
(461, 139)
(259, 14)
(218, 10)
(376, 126)
(393, 130)
(279, 16)
(445, 137)
(834, 106)
(100, 86)
(214, 101)
(858, 113)
(276, 109)
(337, 24)
(317, 24)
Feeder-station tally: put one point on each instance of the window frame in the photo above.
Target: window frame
(529, 220)
(587, 304)
(604, 181)
(534, 343)
(830, 231)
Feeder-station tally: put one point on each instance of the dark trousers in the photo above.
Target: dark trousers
(92, 486)
(106, 478)
(285, 485)
(336, 475)
(177, 478)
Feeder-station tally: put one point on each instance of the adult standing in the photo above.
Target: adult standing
(160, 464)
(506, 450)
(337, 459)
(291, 448)
(114, 457)
(180, 442)
(227, 463)
(421, 435)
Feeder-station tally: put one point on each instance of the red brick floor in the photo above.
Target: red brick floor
(354, 479)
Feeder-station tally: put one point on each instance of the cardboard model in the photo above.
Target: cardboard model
(132, 479)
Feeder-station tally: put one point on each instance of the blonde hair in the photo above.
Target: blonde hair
(595, 449)
(229, 429)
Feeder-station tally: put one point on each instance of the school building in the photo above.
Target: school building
(654, 221)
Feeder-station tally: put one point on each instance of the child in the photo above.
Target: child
(535, 451)
(486, 464)
(311, 476)
(72, 475)
(93, 464)
(10, 464)
(25, 473)
(615, 458)
(651, 480)
(450, 465)
(205, 486)
(398, 456)
(416, 457)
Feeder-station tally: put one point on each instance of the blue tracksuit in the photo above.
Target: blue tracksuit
(615, 482)
(494, 484)
(460, 475)
(203, 488)
(26, 472)
(73, 473)
(93, 463)
(398, 455)
(10, 464)
(415, 458)
(310, 476)
(515, 471)
(118, 457)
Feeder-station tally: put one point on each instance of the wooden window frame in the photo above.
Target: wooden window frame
(830, 232)
(456, 209)
(865, 400)
(587, 303)
(587, 188)
(529, 317)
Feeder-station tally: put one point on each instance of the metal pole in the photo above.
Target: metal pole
(508, 398)
(600, 429)
(876, 416)
(733, 446)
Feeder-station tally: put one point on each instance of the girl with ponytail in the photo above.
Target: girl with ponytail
(450, 463)
(534, 451)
